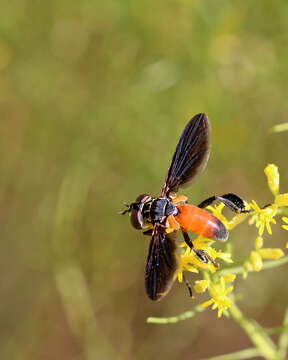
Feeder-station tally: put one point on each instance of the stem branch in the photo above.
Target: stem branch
(283, 339)
(174, 319)
(261, 340)
(266, 265)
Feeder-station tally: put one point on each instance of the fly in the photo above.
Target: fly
(162, 217)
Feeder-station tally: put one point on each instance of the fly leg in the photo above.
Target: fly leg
(201, 254)
(187, 283)
(234, 202)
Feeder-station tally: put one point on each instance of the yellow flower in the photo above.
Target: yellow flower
(191, 262)
(263, 217)
(219, 297)
(201, 286)
(271, 171)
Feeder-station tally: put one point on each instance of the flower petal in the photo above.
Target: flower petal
(207, 303)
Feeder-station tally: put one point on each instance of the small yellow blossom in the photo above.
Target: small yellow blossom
(219, 298)
(263, 217)
(201, 286)
(271, 171)
(256, 261)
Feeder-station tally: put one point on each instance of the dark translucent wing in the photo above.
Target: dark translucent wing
(191, 155)
(161, 263)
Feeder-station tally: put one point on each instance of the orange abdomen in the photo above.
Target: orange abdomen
(201, 222)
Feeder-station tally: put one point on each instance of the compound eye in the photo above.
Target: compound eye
(136, 219)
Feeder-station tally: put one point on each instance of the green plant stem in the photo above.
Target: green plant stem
(256, 334)
(266, 265)
(276, 330)
(174, 319)
(283, 339)
(238, 355)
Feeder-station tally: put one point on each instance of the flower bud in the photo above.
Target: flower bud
(271, 171)
(200, 286)
(259, 242)
(256, 261)
(271, 253)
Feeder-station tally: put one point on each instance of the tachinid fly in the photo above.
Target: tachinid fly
(162, 217)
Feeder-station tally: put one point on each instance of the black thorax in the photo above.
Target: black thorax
(157, 210)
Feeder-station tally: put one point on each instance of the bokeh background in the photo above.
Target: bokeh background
(93, 98)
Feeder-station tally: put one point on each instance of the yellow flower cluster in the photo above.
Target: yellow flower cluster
(262, 218)
(219, 292)
(191, 262)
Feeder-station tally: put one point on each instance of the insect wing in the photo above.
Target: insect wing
(191, 155)
(161, 264)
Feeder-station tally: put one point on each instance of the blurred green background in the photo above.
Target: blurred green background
(93, 98)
